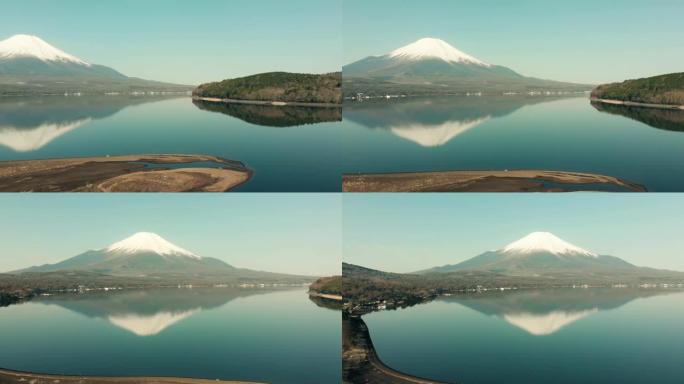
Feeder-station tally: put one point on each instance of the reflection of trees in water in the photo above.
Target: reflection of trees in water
(326, 303)
(273, 116)
(667, 119)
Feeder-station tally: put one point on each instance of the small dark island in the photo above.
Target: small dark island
(327, 292)
(665, 91)
(276, 88)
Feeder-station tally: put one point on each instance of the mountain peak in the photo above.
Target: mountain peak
(545, 242)
(432, 48)
(29, 46)
(149, 242)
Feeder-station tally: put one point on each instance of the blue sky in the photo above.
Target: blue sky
(587, 41)
(186, 41)
(289, 233)
(405, 233)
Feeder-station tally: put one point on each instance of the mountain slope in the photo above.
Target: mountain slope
(141, 254)
(432, 66)
(147, 254)
(29, 65)
(535, 254)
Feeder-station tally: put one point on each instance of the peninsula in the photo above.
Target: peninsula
(15, 377)
(486, 181)
(276, 88)
(132, 173)
(665, 92)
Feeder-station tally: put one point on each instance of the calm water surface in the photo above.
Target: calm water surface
(497, 133)
(290, 149)
(275, 337)
(566, 336)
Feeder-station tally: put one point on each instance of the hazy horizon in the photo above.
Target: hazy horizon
(582, 41)
(287, 233)
(403, 234)
(185, 42)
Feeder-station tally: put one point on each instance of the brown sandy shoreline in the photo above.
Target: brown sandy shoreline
(483, 181)
(326, 296)
(122, 174)
(261, 102)
(16, 377)
(637, 104)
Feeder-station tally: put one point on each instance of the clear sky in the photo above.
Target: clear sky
(406, 233)
(587, 41)
(186, 41)
(289, 233)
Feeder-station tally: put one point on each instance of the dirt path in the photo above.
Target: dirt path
(15, 377)
(486, 181)
(133, 173)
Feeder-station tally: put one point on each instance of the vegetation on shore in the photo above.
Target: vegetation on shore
(327, 285)
(37, 85)
(16, 288)
(279, 87)
(365, 289)
(665, 89)
(354, 86)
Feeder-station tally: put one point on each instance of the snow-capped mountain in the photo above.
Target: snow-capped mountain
(149, 242)
(148, 255)
(27, 46)
(30, 65)
(431, 65)
(430, 48)
(544, 242)
(425, 57)
(535, 254)
(31, 55)
(140, 254)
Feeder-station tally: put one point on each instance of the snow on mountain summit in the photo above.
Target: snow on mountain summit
(149, 242)
(27, 46)
(431, 48)
(544, 242)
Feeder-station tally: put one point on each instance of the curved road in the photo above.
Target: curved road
(361, 363)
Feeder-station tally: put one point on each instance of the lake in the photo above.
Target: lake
(290, 149)
(514, 132)
(221, 333)
(553, 336)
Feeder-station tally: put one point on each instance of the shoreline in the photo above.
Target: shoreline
(325, 296)
(360, 361)
(482, 181)
(127, 173)
(637, 104)
(268, 103)
(15, 377)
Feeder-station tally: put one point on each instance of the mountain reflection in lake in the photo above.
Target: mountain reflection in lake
(615, 335)
(508, 133)
(303, 158)
(433, 122)
(28, 124)
(275, 336)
